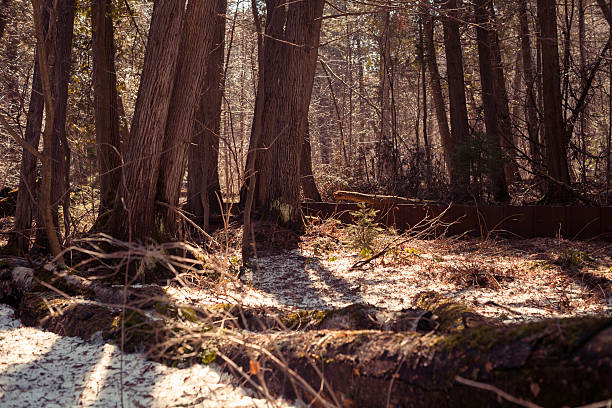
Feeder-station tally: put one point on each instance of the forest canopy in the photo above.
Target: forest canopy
(134, 118)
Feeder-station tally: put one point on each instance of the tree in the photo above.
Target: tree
(436, 87)
(19, 241)
(490, 97)
(290, 55)
(106, 104)
(156, 154)
(61, 77)
(133, 211)
(554, 132)
(459, 160)
(203, 187)
(529, 78)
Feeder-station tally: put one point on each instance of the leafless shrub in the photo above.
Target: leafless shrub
(476, 275)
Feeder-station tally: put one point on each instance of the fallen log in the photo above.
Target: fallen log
(550, 363)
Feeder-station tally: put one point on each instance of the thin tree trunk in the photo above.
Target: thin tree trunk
(460, 163)
(495, 167)
(508, 138)
(61, 78)
(106, 106)
(556, 139)
(309, 187)
(46, 51)
(19, 241)
(426, 142)
(257, 125)
(436, 87)
(203, 187)
(133, 212)
(529, 76)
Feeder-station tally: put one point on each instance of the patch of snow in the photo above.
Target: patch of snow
(39, 368)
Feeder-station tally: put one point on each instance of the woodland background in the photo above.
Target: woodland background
(462, 101)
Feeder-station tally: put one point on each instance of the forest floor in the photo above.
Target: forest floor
(506, 280)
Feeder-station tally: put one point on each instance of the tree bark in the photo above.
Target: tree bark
(203, 187)
(436, 88)
(490, 98)
(196, 45)
(529, 77)
(554, 134)
(309, 187)
(133, 211)
(460, 163)
(544, 362)
(19, 241)
(106, 106)
(61, 77)
(286, 105)
(45, 42)
(508, 138)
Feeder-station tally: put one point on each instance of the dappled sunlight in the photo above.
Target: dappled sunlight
(39, 368)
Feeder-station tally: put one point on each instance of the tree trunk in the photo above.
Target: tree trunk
(19, 241)
(61, 78)
(460, 162)
(309, 187)
(46, 50)
(284, 128)
(421, 56)
(270, 73)
(203, 187)
(133, 212)
(508, 139)
(385, 149)
(531, 115)
(106, 106)
(490, 97)
(196, 46)
(554, 134)
(436, 88)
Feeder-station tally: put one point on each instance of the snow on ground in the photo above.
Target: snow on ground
(41, 369)
(526, 283)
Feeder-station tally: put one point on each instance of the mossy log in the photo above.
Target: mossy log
(552, 363)
(413, 358)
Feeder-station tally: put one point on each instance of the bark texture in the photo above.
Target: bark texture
(196, 45)
(203, 187)
(529, 77)
(133, 212)
(19, 241)
(290, 52)
(490, 97)
(106, 105)
(61, 77)
(459, 164)
(309, 187)
(554, 132)
(436, 87)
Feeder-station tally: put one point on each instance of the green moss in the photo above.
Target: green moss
(304, 318)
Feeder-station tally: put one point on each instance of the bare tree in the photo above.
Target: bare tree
(106, 104)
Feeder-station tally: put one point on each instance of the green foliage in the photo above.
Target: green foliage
(571, 259)
(365, 230)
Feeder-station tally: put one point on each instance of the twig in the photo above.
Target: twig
(500, 393)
